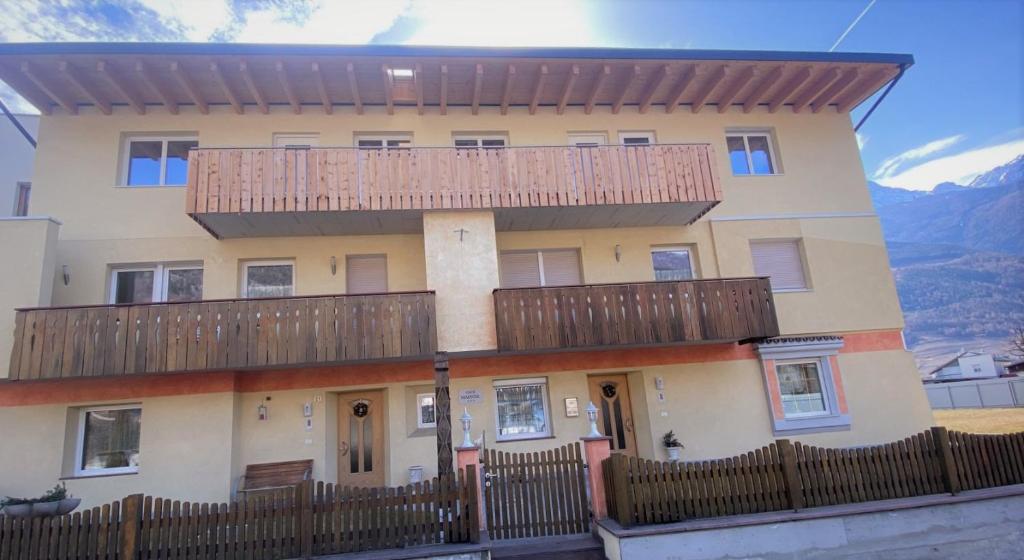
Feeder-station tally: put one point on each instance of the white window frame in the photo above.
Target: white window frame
(419, 408)
(540, 261)
(823, 383)
(479, 138)
(746, 134)
(243, 289)
(543, 381)
(588, 139)
(160, 272)
(648, 134)
(80, 442)
(283, 139)
(667, 248)
(384, 139)
(164, 139)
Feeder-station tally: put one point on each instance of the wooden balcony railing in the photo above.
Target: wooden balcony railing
(222, 334)
(339, 179)
(635, 314)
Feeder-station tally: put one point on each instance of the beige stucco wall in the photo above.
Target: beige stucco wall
(28, 246)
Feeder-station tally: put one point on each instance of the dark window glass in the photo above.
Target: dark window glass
(493, 143)
(636, 141)
(268, 281)
(133, 286)
(672, 265)
(185, 284)
(177, 161)
(111, 439)
(144, 162)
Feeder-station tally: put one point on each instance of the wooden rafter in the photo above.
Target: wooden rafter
(851, 98)
(602, 76)
(837, 87)
(620, 99)
(261, 101)
(190, 87)
(767, 81)
(389, 88)
(286, 83)
(321, 89)
(506, 96)
(788, 88)
(27, 89)
(63, 100)
(417, 79)
(75, 77)
(444, 89)
(353, 86)
(684, 81)
(715, 78)
(538, 87)
(150, 80)
(738, 83)
(118, 84)
(478, 83)
(574, 74)
(226, 88)
(652, 87)
(811, 91)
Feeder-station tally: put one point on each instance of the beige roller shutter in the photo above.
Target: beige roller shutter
(519, 269)
(561, 267)
(781, 261)
(366, 274)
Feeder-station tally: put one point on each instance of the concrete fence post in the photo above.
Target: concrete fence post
(944, 452)
(787, 454)
(596, 450)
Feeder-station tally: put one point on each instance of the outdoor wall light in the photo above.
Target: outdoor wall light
(618, 253)
(334, 266)
(592, 416)
(467, 422)
(66, 273)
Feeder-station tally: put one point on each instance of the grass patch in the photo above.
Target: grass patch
(982, 420)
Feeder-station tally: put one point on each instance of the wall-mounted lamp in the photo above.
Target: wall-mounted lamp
(66, 273)
(592, 416)
(618, 253)
(334, 266)
(467, 422)
(261, 412)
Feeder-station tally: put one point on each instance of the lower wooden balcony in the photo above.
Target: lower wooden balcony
(644, 313)
(67, 342)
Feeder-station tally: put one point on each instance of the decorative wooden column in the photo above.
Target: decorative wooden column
(597, 449)
(443, 415)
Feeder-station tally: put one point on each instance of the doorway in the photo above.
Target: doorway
(361, 453)
(610, 393)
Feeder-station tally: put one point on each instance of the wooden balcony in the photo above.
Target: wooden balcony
(284, 191)
(646, 313)
(67, 342)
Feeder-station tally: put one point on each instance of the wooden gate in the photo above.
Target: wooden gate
(536, 494)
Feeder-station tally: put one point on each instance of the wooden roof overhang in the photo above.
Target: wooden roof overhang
(64, 77)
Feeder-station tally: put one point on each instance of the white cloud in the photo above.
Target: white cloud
(534, 23)
(862, 140)
(324, 21)
(959, 168)
(891, 165)
(195, 20)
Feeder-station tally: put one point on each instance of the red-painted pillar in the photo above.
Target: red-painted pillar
(597, 449)
(471, 456)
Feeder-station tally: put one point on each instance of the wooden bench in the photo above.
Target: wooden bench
(267, 477)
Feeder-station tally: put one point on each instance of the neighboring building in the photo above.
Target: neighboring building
(1016, 367)
(684, 238)
(970, 365)
(16, 158)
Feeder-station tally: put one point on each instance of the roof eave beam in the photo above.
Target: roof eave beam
(833, 91)
(738, 83)
(856, 95)
(652, 88)
(289, 91)
(621, 98)
(788, 88)
(321, 88)
(755, 97)
(810, 92)
(75, 77)
(190, 87)
(261, 101)
(117, 83)
(389, 88)
(478, 83)
(602, 76)
(417, 79)
(353, 86)
(27, 90)
(228, 92)
(506, 96)
(444, 90)
(63, 100)
(685, 79)
(715, 78)
(574, 74)
(538, 88)
(149, 79)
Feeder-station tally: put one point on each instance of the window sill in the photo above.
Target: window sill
(811, 424)
(150, 186)
(792, 290)
(97, 475)
(745, 175)
(516, 440)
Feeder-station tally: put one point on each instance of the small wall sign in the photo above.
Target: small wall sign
(470, 396)
(572, 407)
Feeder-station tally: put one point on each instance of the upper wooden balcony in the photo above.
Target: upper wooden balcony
(69, 342)
(243, 192)
(644, 313)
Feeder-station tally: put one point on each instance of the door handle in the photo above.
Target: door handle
(343, 448)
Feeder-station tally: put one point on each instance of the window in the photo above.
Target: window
(480, 141)
(522, 409)
(366, 274)
(383, 141)
(531, 269)
(587, 140)
(425, 414)
(21, 200)
(268, 279)
(636, 138)
(751, 153)
(672, 263)
(296, 140)
(155, 161)
(161, 282)
(782, 262)
(801, 388)
(108, 440)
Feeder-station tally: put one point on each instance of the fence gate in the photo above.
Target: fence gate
(536, 494)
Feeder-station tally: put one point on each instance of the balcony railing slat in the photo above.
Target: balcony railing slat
(634, 314)
(223, 334)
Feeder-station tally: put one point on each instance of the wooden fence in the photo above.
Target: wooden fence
(788, 476)
(635, 313)
(536, 494)
(307, 520)
(220, 334)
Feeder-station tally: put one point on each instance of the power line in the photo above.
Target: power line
(852, 25)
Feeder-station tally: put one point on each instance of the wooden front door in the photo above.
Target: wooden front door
(610, 394)
(361, 453)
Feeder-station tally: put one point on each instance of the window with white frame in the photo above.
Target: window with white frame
(641, 138)
(480, 140)
(751, 153)
(521, 409)
(587, 139)
(108, 440)
(156, 282)
(151, 161)
(672, 263)
(782, 262)
(426, 414)
(262, 279)
(383, 140)
(537, 268)
(296, 139)
(802, 388)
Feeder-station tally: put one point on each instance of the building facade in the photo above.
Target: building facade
(247, 254)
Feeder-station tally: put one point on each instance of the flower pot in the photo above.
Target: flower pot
(44, 508)
(18, 510)
(673, 453)
(67, 505)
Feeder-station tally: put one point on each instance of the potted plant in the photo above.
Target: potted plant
(672, 445)
(17, 507)
(55, 501)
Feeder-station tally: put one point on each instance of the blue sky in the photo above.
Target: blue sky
(959, 111)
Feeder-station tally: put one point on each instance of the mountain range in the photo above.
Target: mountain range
(957, 254)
